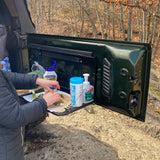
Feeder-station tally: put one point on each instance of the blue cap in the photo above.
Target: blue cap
(50, 69)
(76, 80)
(53, 66)
(52, 88)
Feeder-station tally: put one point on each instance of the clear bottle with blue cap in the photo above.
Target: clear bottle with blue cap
(50, 73)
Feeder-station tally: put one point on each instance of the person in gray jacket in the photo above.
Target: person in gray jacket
(13, 115)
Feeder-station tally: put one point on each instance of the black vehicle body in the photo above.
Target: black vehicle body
(119, 70)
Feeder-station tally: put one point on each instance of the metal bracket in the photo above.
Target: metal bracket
(23, 42)
(69, 109)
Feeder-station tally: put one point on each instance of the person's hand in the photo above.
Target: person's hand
(46, 84)
(51, 98)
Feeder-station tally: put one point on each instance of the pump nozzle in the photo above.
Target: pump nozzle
(86, 75)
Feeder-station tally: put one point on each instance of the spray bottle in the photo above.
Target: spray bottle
(88, 90)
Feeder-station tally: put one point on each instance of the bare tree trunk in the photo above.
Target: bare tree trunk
(43, 8)
(108, 21)
(82, 21)
(74, 17)
(154, 28)
(39, 18)
(129, 33)
(99, 20)
(81, 16)
(156, 49)
(104, 17)
(120, 29)
(53, 10)
(140, 29)
(148, 25)
(113, 21)
(122, 21)
(49, 11)
(87, 11)
(144, 26)
(71, 25)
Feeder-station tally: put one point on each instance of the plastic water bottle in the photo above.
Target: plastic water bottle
(37, 69)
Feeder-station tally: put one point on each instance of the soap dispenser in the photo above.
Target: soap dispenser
(88, 90)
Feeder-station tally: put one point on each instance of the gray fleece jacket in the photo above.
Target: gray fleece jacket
(13, 115)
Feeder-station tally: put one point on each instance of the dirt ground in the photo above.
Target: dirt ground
(97, 133)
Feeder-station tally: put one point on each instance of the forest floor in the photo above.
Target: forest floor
(97, 133)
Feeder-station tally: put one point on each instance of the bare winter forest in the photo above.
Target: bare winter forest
(128, 20)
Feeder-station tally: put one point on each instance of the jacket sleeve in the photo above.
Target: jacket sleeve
(22, 81)
(14, 115)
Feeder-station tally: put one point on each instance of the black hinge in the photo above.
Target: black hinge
(23, 42)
